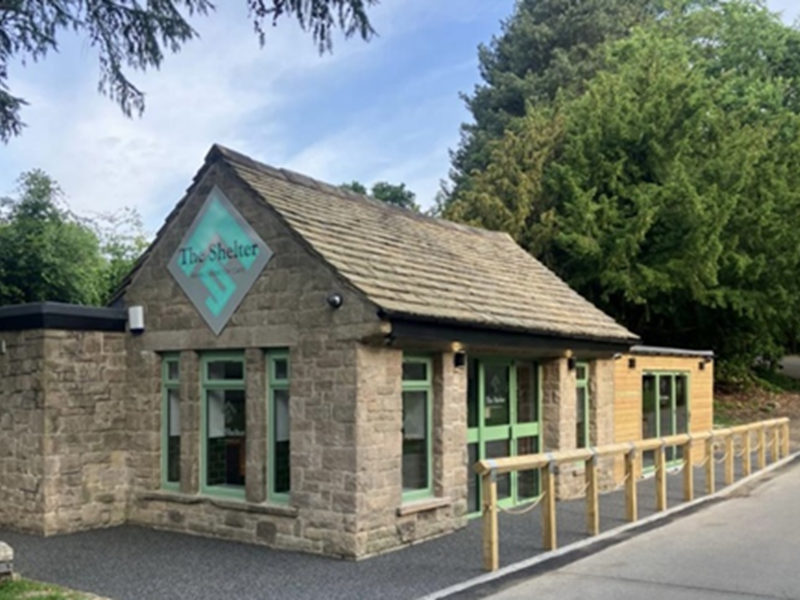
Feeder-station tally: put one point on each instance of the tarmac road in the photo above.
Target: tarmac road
(744, 547)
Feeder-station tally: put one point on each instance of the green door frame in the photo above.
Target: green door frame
(511, 432)
(673, 405)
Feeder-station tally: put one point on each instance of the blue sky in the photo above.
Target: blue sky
(388, 110)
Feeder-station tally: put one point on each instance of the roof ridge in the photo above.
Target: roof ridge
(228, 154)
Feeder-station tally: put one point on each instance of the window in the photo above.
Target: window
(223, 453)
(417, 413)
(279, 427)
(582, 399)
(170, 422)
(665, 410)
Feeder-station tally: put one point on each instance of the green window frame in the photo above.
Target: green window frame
(223, 429)
(583, 414)
(672, 401)
(417, 449)
(170, 422)
(279, 427)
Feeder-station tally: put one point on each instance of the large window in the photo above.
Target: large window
(171, 422)
(279, 426)
(582, 399)
(417, 417)
(223, 455)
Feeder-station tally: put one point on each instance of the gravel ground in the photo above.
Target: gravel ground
(133, 563)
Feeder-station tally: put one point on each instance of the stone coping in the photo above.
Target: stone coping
(281, 510)
(417, 506)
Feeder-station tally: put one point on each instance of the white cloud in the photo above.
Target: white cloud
(224, 88)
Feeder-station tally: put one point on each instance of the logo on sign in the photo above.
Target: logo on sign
(218, 261)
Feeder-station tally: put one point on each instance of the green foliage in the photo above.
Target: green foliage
(25, 589)
(136, 35)
(49, 254)
(398, 195)
(355, 186)
(546, 47)
(667, 189)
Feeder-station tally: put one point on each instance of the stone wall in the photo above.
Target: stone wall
(85, 443)
(286, 308)
(559, 409)
(62, 431)
(384, 520)
(22, 400)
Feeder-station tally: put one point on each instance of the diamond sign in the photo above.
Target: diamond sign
(218, 260)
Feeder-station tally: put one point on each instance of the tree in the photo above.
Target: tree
(122, 242)
(397, 195)
(50, 254)
(667, 190)
(47, 254)
(130, 34)
(545, 47)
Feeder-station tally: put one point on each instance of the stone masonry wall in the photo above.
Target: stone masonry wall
(560, 414)
(384, 521)
(22, 400)
(85, 444)
(286, 308)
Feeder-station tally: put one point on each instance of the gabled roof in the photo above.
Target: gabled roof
(410, 265)
(414, 266)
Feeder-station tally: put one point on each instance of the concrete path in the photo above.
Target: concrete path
(746, 547)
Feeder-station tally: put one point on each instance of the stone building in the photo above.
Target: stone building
(299, 366)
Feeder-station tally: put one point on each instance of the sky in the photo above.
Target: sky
(387, 110)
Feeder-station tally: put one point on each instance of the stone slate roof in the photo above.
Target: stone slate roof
(415, 266)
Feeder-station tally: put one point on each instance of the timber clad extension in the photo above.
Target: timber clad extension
(315, 371)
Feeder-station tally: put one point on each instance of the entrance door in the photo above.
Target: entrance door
(503, 420)
(665, 410)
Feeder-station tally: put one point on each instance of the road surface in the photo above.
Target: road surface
(744, 547)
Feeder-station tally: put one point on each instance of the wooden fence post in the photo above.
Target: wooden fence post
(710, 466)
(631, 501)
(747, 466)
(730, 454)
(549, 533)
(762, 448)
(592, 500)
(786, 449)
(776, 433)
(661, 478)
(491, 542)
(688, 472)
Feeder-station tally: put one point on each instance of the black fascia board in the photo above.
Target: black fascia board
(422, 329)
(56, 315)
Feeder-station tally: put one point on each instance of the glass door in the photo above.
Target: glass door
(503, 420)
(665, 410)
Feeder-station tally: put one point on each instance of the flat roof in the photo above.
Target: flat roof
(58, 315)
(663, 351)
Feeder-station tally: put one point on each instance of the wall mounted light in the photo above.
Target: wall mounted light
(136, 319)
(631, 363)
(335, 300)
(571, 363)
(459, 359)
(702, 365)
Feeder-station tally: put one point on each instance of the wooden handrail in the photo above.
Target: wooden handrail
(547, 462)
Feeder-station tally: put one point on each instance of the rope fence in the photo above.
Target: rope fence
(631, 453)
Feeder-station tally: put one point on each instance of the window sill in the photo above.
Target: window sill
(418, 506)
(266, 508)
